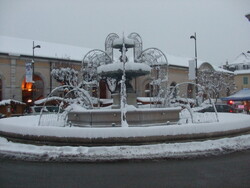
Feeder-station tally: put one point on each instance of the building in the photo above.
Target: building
(241, 68)
(15, 53)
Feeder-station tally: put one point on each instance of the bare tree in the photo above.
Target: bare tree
(216, 82)
(66, 76)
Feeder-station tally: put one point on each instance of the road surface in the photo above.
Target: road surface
(231, 170)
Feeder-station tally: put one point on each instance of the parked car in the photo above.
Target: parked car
(2, 116)
(46, 109)
(219, 108)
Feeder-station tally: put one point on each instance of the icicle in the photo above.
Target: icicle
(123, 90)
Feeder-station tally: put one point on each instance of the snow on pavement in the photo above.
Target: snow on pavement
(109, 153)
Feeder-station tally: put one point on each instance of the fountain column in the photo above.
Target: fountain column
(123, 92)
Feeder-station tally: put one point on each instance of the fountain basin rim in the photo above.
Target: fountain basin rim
(129, 109)
(136, 135)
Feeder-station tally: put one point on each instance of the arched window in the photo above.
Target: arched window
(190, 90)
(148, 90)
(172, 86)
(32, 91)
(103, 89)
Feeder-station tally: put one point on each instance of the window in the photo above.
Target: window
(190, 89)
(172, 86)
(148, 90)
(245, 80)
(103, 90)
(228, 92)
(32, 91)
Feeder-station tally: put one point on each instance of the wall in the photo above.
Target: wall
(12, 72)
(239, 81)
(175, 74)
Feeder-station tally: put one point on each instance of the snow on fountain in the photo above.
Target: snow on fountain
(101, 64)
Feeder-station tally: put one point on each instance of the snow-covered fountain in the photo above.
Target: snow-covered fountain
(85, 123)
(103, 65)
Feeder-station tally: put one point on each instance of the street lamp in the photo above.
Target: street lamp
(196, 67)
(248, 17)
(33, 67)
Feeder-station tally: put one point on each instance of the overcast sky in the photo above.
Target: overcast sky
(223, 31)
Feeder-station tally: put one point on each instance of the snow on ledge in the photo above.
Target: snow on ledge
(27, 125)
(9, 101)
(119, 66)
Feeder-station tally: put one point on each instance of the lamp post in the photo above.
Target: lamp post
(248, 17)
(196, 66)
(33, 71)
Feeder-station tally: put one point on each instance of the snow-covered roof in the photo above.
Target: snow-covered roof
(9, 101)
(18, 46)
(247, 71)
(218, 69)
(243, 58)
(181, 61)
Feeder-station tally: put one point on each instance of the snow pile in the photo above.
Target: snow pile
(81, 153)
(9, 101)
(185, 116)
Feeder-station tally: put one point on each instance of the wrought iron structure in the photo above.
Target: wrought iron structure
(153, 57)
(156, 59)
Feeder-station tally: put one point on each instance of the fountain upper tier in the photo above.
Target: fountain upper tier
(118, 43)
(133, 70)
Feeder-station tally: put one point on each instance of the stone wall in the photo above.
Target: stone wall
(138, 117)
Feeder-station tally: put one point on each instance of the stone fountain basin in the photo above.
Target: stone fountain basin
(135, 117)
(25, 129)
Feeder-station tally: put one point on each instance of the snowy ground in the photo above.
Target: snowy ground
(156, 151)
(28, 125)
(108, 153)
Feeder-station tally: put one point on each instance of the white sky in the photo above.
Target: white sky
(223, 31)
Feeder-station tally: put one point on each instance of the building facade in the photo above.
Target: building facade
(241, 68)
(13, 83)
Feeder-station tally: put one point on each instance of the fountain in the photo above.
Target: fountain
(132, 70)
(70, 128)
(99, 65)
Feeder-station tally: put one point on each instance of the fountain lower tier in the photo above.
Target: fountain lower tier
(135, 117)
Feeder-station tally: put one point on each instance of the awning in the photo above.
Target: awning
(242, 95)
